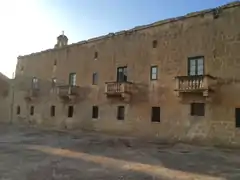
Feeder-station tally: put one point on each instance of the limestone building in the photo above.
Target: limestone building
(6, 105)
(176, 79)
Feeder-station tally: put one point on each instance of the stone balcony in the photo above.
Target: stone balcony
(195, 84)
(118, 89)
(68, 92)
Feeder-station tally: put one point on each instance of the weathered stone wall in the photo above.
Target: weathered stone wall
(5, 99)
(200, 34)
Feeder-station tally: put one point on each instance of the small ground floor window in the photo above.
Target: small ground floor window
(32, 110)
(155, 114)
(237, 117)
(52, 111)
(70, 111)
(18, 110)
(95, 112)
(120, 112)
(197, 109)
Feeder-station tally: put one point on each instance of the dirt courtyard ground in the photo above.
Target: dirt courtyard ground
(33, 154)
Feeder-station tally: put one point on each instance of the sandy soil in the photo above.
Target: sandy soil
(33, 154)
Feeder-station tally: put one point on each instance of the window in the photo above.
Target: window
(55, 62)
(95, 78)
(120, 113)
(32, 110)
(237, 117)
(154, 72)
(122, 74)
(35, 83)
(196, 66)
(72, 79)
(54, 82)
(18, 110)
(154, 44)
(70, 111)
(197, 109)
(52, 111)
(22, 69)
(95, 55)
(95, 112)
(155, 114)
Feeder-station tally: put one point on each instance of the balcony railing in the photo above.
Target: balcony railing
(67, 90)
(197, 83)
(32, 93)
(118, 88)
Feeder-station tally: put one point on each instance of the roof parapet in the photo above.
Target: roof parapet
(142, 27)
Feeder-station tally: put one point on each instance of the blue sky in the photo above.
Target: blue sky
(33, 25)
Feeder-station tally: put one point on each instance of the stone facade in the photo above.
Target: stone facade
(5, 99)
(212, 34)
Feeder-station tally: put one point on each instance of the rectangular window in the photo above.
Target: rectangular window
(154, 72)
(52, 111)
(35, 84)
(95, 55)
(32, 110)
(155, 114)
(72, 79)
(18, 110)
(154, 44)
(120, 113)
(70, 111)
(122, 74)
(195, 66)
(197, 109)
(54, 82)
(22, 70)
(95, 79)
(95, 112)
(237, 117)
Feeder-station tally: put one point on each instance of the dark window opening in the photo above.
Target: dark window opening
(22, 68)
(18, 110)
(95, 112)
(70, 111)
(197, 109)
(52, 111)
(154, 44)
(237, 117)
(32, 110)
(196, 66)
(122, 74)
(95, 79)
(154, 73)
(155, 114)
(55, 62)
(120, 113)
(95, 55)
